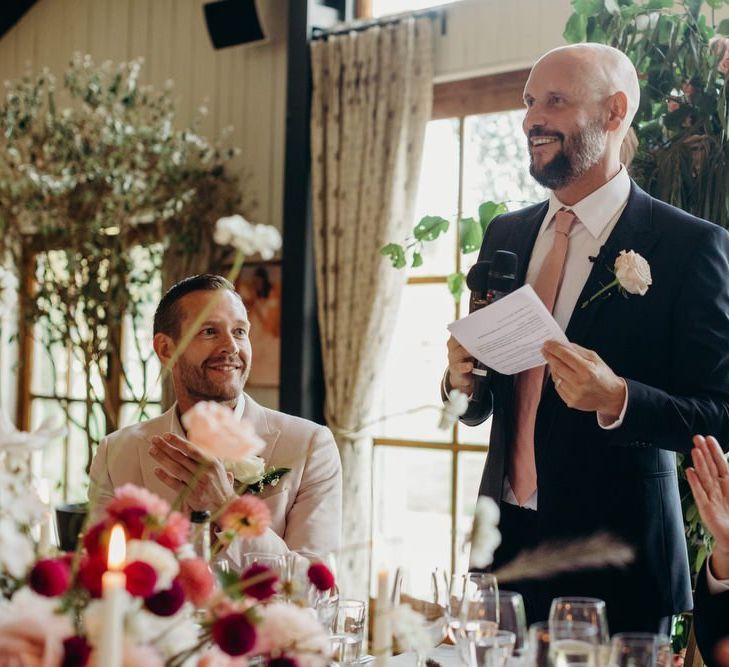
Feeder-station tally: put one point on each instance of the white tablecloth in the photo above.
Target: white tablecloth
(445, 655)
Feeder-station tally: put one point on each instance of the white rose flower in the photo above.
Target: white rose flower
(162, 560)
(633, 272)
(247, 237)
(485, 535)
(453, 408)
(248, 470)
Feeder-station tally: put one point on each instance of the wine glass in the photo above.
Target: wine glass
(472, 611)
(433, 608)
(584, 610)
(640, 649)
(538, 644)
(273, 561)
(512, 617)
(495, 650)
(573, 644)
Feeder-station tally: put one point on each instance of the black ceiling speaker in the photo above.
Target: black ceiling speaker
(232, 22)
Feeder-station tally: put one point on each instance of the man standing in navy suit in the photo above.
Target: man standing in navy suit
(588, 442)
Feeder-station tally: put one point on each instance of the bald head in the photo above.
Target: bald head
(598, 72)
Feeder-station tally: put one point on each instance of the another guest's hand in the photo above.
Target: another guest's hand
(583, 380)
(460, 365)
(183, 467)
(709, 481)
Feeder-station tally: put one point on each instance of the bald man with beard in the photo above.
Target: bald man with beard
(590, 444)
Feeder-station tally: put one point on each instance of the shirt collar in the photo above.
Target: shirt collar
(599, 207)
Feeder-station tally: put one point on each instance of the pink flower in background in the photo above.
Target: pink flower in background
(31, 635)
(175, 532)
(218, 434)
(216, 658)
(131, 495)
(197, 580)
(247, 516)
(672, 105)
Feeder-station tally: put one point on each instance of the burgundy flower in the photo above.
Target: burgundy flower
(234, 634)
(96, 540)
(134, 520)
(321, 576)
(50, 577)
(282, 661)
(263, 589)
(141, 579)
(90, 573)
(167, 602)
(76, 652)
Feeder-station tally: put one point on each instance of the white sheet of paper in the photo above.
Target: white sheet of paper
(509, 334)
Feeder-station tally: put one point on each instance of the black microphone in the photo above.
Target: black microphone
(489, 282)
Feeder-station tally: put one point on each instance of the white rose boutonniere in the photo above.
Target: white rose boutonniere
(251, 476)
(632, 276)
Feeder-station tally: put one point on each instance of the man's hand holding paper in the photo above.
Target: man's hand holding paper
(508, 335)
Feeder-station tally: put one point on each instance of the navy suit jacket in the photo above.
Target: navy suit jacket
(711, 618)
(672, 347)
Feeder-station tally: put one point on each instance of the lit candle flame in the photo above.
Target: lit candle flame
(117, 548)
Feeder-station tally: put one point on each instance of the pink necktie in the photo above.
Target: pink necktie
(529, 384)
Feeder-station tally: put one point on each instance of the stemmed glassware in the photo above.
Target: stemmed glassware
(634, 649)
(584, 610)
(512, 617)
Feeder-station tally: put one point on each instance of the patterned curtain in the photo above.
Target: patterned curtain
(372, 98)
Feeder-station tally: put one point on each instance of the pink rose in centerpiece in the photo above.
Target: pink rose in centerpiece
(247, 516)
(130, 495)
(175, 532)
(197, 580)
(219, 434)
(32, 635)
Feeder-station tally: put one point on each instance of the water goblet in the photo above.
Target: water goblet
(640, 649)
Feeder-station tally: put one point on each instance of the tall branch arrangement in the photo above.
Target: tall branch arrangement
(98, 185)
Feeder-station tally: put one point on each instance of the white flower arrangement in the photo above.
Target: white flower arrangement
(248, 238)
(485, 536)
(453, 408)
(8, 292)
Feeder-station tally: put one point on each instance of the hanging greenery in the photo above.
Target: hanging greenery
(99, 191)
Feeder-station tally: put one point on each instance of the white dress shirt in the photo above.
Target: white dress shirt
(596, 217)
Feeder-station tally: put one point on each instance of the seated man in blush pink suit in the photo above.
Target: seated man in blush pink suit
(305, 504)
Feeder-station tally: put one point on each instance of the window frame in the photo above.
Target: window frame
(458, 99)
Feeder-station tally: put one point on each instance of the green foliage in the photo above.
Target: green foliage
(98, 184)
(432, 227)
(682, 121)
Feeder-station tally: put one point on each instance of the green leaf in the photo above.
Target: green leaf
(659, 4)
(588, 7)
(488, 211)
(417, 260)
(396, 253)
(716, 4)
(471, 234)
(576, 29)
(430, 228)
(723, 27)
(456, 283)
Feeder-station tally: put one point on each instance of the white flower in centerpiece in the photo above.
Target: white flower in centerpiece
(485, 535)
(295, 632)
(161, 559)
(16, 549)
(453, 408)
(408, 627)
(8, 292)
(247, 471)
(12, 438)
(247, 237)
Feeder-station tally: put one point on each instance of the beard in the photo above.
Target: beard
(203, 388)
(579, 153)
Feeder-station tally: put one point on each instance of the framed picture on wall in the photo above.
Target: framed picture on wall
(259, 285)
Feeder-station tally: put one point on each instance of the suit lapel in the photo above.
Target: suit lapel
(523, 236)
(263, 429)
(633, 231)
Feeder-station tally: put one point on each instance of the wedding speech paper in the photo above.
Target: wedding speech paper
(508, 335)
